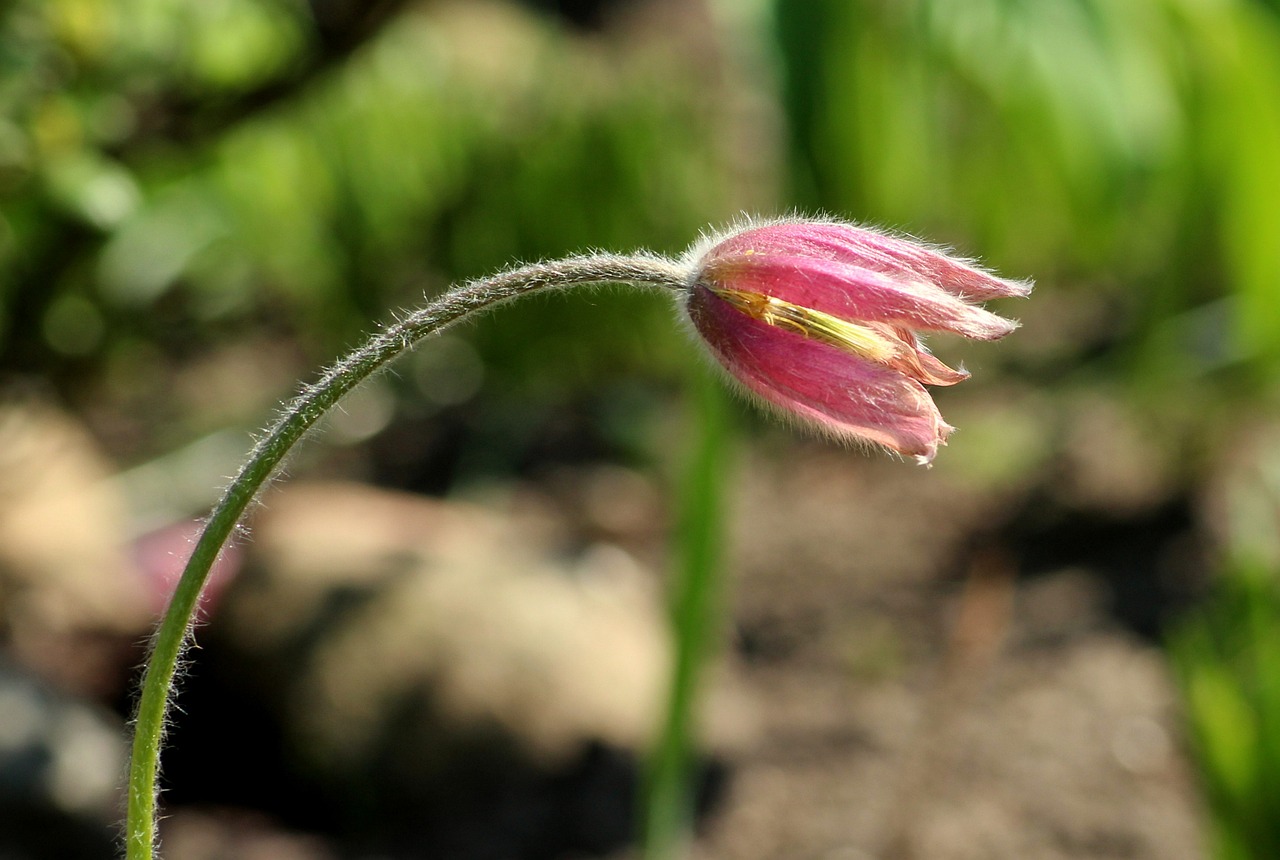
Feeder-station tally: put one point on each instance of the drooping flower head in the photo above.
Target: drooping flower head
(820, 320)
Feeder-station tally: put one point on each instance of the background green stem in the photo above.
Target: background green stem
(668, 793)
(266, 457)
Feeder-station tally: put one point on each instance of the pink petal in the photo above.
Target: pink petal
(836, 391)
(854, 293)
(869, 249)
(925, 367)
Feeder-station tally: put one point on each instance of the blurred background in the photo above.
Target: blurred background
(446, 637)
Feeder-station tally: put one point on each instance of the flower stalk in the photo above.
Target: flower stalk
(298, 417)
(817, 319)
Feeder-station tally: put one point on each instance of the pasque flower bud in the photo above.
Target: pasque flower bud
(820, 318)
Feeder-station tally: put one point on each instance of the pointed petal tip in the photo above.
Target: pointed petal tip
(993, 328)
(1018, 289)
(923, 451)
(982, 286)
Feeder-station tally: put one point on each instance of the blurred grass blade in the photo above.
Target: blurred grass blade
(695, 597)
(1226, 661)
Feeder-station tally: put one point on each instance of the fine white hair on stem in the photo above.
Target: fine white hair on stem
(271, 449)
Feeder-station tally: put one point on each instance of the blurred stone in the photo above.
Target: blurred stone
(1241, 502)
(60, 764)
(417, 592)
(1115, 459)
(426, 652)
(822, 540)
(70, 601)
(1060, 605)
(225, 834)
(1069, 752)
(1056, 736)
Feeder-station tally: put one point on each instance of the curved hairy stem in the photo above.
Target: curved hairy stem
(298, 417)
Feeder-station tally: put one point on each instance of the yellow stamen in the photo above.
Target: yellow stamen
(851, 337)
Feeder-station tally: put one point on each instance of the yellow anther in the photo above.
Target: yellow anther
(860, 340)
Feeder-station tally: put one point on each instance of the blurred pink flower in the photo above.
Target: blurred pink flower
(162, 554)
(820, 320)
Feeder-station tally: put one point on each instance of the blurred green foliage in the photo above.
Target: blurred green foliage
(1129, 147)
(1226, 656)
(175, 176)
(1226, 659)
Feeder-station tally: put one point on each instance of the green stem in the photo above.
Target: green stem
(695, 601)
(299, 417)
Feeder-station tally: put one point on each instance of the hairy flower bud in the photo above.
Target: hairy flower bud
(819, 319)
